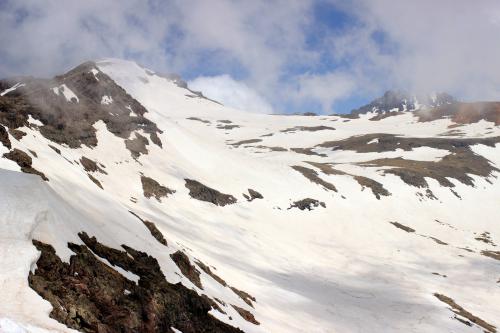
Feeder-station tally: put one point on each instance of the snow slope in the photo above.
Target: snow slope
(343, 268)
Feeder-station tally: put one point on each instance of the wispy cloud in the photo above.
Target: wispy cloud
(280, 50)
(231, 93)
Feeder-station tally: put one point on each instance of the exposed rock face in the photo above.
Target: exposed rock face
(402, 227)
(24, 161)
(71, 121)
(308, 129)
(152, 229)
(90, 166)
(467, 318)
(252, 195)
(209, 271)
(377, 188)
(4, 137)
(204, 193)
(245, 142)
(459, 164)
(137, 145)
(307, 203)
(187, 269)
(95, 181)
(152, 188)
(401, 101)
(17, 134)
(463, 113)
(90, 296)
(314, 177)
(246, 297)
(245, 314)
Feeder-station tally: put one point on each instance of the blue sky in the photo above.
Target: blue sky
(269, 55)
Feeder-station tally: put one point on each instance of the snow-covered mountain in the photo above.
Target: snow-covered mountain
(399, 101)
(133, 204)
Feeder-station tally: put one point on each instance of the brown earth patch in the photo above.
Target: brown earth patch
(245, 314)
(202, 192)
(314, 177)
(208, 271)
(24, 161)
(88, 295)
(187, 269)
(152, 188)
(152, 229)
(469, 317)
(246, 297)
(459, 165)
(377, 188)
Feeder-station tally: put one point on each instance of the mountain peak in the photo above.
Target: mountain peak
(398, 100)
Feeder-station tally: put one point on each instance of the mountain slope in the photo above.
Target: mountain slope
(285, 223)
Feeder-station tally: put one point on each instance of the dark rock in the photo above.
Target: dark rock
(187, 269)
(95, 181)
(314, 177)
(90, 296)
(4, 137)
(460, 311)
(152, 188)
(152, 229)
(24, 161)
(307, 203)
(57, 150)
(246, 297)
(207, 270)
(308, 129)
(17, 134)
(244, 142)
(402, 227)
(72, 123)
(252, 195)
(137, 146)
(202, 192)
(91, 166)
(245, 314)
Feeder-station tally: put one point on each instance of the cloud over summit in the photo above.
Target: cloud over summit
(289, 54)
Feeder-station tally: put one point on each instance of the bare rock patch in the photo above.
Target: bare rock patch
(202, 192)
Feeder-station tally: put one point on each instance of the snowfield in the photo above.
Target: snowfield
(349, 267)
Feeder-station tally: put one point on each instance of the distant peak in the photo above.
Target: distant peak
(398, 100)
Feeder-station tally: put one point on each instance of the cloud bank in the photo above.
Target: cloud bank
(231, 93)
(284, 54)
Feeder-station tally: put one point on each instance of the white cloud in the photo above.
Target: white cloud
(231, 93)
(324, 88)
(448, 45)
